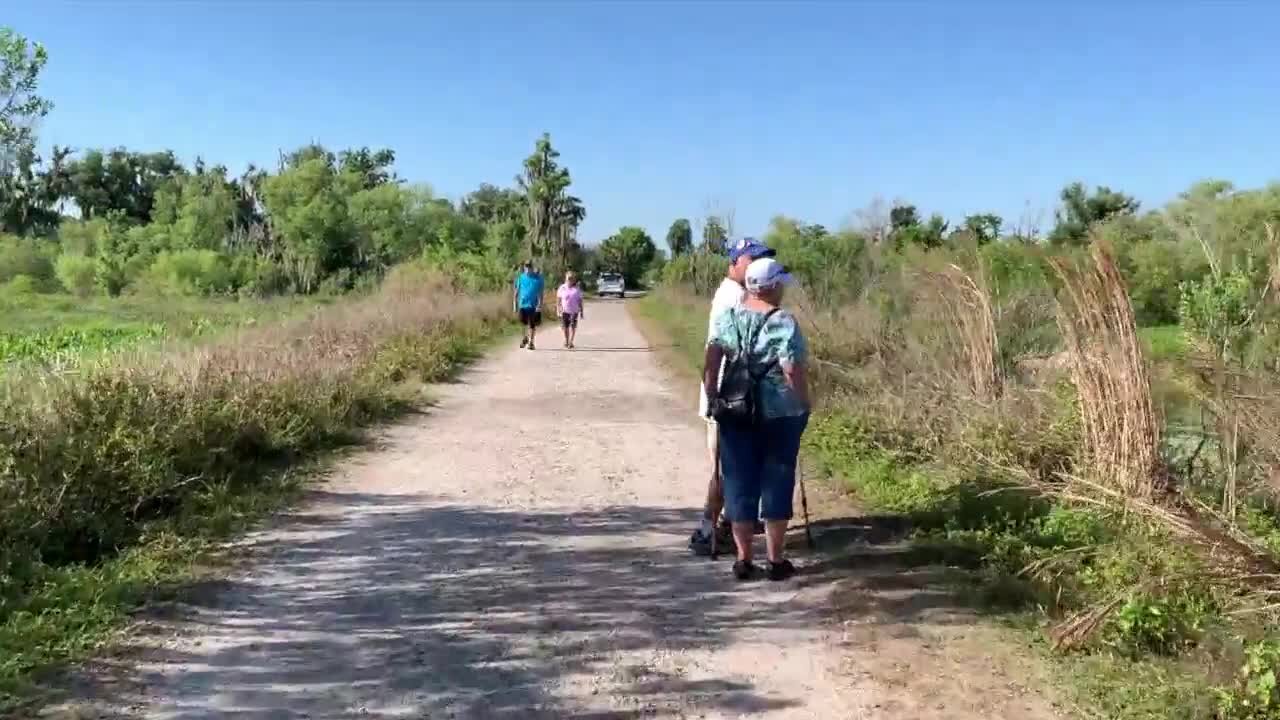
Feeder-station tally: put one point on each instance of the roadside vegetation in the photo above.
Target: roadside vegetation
(1086, 421)
(180, 344)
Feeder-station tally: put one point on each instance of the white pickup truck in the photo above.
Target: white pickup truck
(611, 284)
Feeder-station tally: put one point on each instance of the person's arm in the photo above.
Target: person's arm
(515, 295)
(795, 364)
(711, 361)
(797, 376)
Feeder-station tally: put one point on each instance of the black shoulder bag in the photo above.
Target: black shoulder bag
(736, 404)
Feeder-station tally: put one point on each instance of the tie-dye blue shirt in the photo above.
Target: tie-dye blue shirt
(778, 343)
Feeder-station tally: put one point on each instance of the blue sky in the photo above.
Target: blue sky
(805, 108)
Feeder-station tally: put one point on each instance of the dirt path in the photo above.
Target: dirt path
(519, 553)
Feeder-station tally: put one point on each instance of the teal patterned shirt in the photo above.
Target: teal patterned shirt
(779, 343)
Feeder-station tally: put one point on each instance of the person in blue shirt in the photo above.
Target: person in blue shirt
(528, 302)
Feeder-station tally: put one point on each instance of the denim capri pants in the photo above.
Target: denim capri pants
(758, 466)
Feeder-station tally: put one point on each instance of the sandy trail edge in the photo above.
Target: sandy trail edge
(519, 553)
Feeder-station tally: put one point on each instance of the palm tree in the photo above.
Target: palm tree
(543, 183)
(567, 214)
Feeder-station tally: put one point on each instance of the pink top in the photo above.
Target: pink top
(570, 299)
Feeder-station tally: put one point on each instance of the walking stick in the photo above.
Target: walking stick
(714, 507)
(804, 506)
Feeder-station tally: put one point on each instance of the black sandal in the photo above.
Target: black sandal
(744, 570)
(781, 570)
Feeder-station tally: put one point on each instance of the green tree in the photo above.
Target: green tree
(715, 236)
(984, 227)
(196, 211)
(121, 181)
(307, 203)
(32, 192)
(906, 228)
(21, 62)
(567, 214)
(830, 266)
(491, 204)
(26, 204)
(381, 223)
(902, 217)
(1080, 211)
(543, 183)
(680, 237)
(629, 251)
(373, 167)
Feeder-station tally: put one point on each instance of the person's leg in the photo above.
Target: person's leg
(573, 330)
(533, 327)
(701, 541)
(781, 446)
(564, 326)
(740, 476)
(524, 328)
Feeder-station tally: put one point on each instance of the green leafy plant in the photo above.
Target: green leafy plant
(1256, 696)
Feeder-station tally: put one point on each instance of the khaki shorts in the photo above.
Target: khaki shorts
(713, 435)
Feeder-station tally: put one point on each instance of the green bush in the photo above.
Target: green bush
(1013, 267)
(193, 272)
(702, 272)
(20, 286)
(471, 271)
(1160, 625)
(1164, 343)
(1155, 271)
(82, 237)
(1256, 696)
(260, 277)
(28, 258)
(77, 273)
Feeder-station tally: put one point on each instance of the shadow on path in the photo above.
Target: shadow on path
(471, 612)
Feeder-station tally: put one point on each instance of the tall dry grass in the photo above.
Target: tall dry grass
(1121, 431)
(966, 305)
(88, 461)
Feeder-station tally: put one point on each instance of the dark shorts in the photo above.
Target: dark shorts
(530, 317)
(759, 468)
(569, 320)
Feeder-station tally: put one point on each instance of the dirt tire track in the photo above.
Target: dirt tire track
(519, 552)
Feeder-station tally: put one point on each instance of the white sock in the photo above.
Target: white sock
(706, 526)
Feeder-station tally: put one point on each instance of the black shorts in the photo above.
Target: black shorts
(569, 320)
(530, 317)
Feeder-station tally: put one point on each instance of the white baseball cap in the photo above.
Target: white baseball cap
(766, 273)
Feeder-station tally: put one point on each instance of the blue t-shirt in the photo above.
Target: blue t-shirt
(529, 290)
(779, 342)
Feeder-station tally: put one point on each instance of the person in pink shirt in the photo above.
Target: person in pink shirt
(569, 304)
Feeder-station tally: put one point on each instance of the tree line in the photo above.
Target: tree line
(109, 220)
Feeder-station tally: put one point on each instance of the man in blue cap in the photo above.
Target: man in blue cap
(527, 301)
(711, 533)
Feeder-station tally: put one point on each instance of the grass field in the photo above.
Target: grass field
(120, 478)
(57, 330)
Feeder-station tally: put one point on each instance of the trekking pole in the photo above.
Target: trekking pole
(716, 508)
(804, 506)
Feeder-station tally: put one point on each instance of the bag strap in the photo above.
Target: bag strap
(755, 337)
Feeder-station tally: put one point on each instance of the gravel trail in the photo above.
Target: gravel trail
(519, 552)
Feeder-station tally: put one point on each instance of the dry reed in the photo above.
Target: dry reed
(1121, 432)
(966, 304)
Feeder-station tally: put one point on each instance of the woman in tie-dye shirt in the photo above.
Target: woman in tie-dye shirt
(758, 462)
